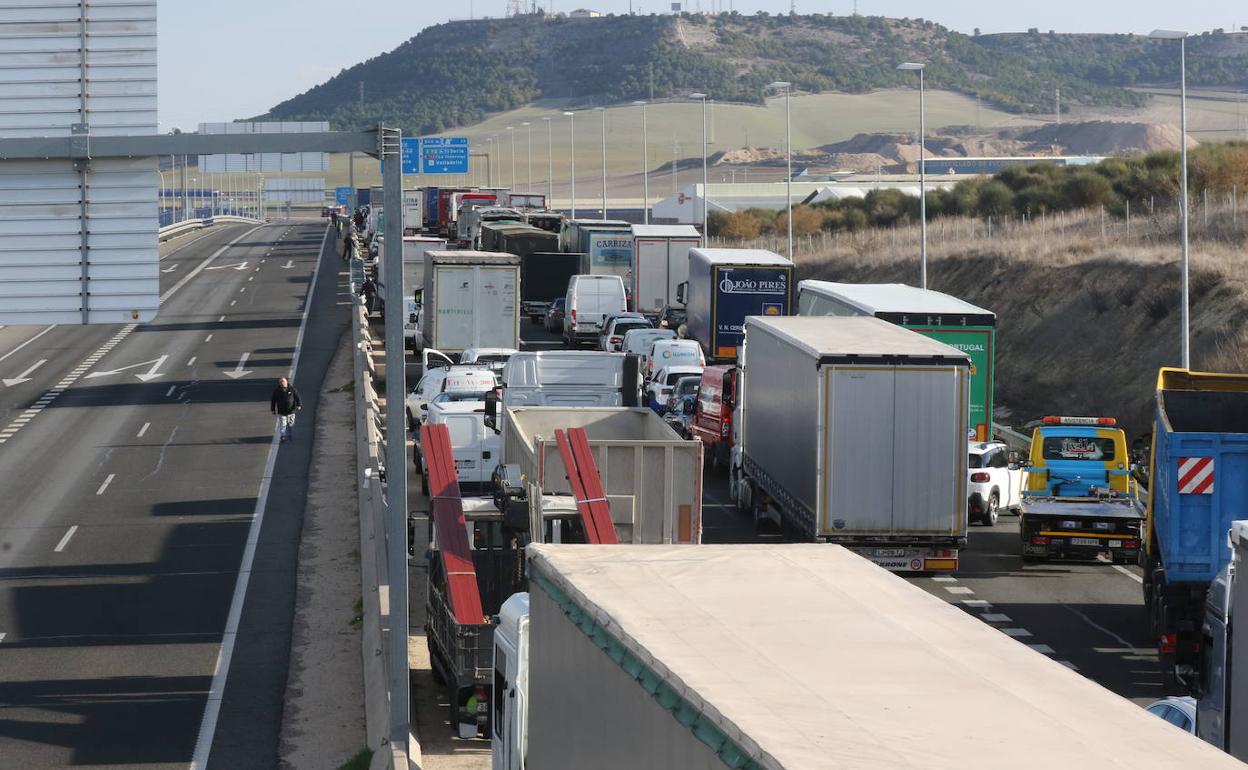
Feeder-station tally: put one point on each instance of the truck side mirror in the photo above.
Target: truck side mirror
(491, 410)
(682, 289)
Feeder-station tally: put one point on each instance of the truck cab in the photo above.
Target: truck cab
(1073, 456)
(509, 724)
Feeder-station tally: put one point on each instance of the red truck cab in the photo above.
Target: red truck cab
(712, 413)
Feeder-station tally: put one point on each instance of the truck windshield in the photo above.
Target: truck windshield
(1078, 448)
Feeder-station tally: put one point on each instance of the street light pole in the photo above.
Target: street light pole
(788, 156)
(512, 131)
(529, 126)
(705, 233)
(550, 164)
(645, 166)
(912, 66)
(1184, 214)
(603, 110)
(572, 149)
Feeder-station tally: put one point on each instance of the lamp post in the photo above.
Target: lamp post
(702, 98)
(645, 165)
(550, 164)
(572, 149)
(915, 67)
(529, 127)
(788, 155)
(512, 131)
(489, 161)
(603, 110)
(1184, 214)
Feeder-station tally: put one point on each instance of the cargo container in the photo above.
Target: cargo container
(462, 204)
(788, 657)
(430, 210)
(1198, 484)
(413, 211)
(527, 201)
(933, 314)
(445, 210)
(516, 237)
(725, 286)
(472, 218)
(660, 264)
(607, 245)
(363, 196)
(652, 477)
(853, 431)
(571, 237)
(471, 299)
(1221, 713)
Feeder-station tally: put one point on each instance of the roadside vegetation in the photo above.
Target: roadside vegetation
(1118, 187)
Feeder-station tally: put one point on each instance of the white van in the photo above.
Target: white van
(436, 380)
(476, 449)
(510, 725)
(590, 299)
(638, 342)
(665, 353)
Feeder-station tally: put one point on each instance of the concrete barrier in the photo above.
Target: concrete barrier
(372, 507)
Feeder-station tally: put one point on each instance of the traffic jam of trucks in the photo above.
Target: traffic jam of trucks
(841, 414)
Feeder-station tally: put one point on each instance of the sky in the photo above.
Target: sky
(274, 49)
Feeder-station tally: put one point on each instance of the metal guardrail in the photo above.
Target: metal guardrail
(187, 225)
(1012, 438)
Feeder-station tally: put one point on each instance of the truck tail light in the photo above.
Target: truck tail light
(574, 316)
(980, 478)
(616, 340)
(1168, 644)
(1131, 544)
(1039, 540)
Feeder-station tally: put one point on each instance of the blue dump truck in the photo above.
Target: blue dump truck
(1198, 485)
(725, 286)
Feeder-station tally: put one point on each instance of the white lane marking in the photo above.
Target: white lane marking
(65, 540)
(1015, 632)
(107, 481)
(945, 579)
(2, 635)
(981, 603)
(251, 278)
(1128, 573)
(169, 392)
(233, 302)
(239, 266)
(147, 376)
(1069, 665)
(958, 590)
(208, 338)
(192, 361)
(995, 617)
(1041, 648)
(204, 265)
(208, 726)
(143, 430)
(289, 264)
(19, 379)
(27, 342)
(240, 291)
(170, 269)
(238, 370)
(222, 318)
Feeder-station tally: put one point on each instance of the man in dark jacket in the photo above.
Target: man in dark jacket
(284, 403)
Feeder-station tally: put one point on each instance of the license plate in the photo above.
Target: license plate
(889, 553)
(1115, 543)
(465, 463)
(1084, 541)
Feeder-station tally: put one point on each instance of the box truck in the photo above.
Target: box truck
(471, 299)
(787, 657)
(1196, 489)
(853, 431)
(725, 286)
(413, 211)
(971, 329)
(1222, 690)
(660, 264)
(652, 477)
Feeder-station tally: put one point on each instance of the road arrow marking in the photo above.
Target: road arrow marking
(239, 266)
(147, 376)
(289, 264)
(171, 268)
(238, 371)
(19, 379)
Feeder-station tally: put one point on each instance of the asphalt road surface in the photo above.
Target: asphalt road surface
(134, 461)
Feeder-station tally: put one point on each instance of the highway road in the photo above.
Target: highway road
(140, 471)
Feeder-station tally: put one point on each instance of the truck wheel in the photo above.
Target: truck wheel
(994, 511)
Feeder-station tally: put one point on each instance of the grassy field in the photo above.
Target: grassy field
(675, 130)
(1211, 115)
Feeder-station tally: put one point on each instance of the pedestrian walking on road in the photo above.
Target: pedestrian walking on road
(368, 290)
(285, 403)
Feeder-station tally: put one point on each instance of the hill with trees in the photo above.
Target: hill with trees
(455, 74)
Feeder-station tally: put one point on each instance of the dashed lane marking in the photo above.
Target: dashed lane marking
(1015, 632)
(143, 430)
(1043, 649)
(1128, 573)
(107, 481)
(995, 617)
(65, 540)
(208, 338)
(958, 590)
(976, 603)
(945, 579)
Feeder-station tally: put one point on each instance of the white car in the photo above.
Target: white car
(453, 379)
(492, 358)
(615, 327)
(995, 482)
(660, 387)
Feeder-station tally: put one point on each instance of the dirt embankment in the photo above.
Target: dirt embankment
(1084, 323)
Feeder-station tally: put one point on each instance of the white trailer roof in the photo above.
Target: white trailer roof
(846, 336)
(741, 256)
(893, 298)
(666, 231)
(466, 257)
(807, 656)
